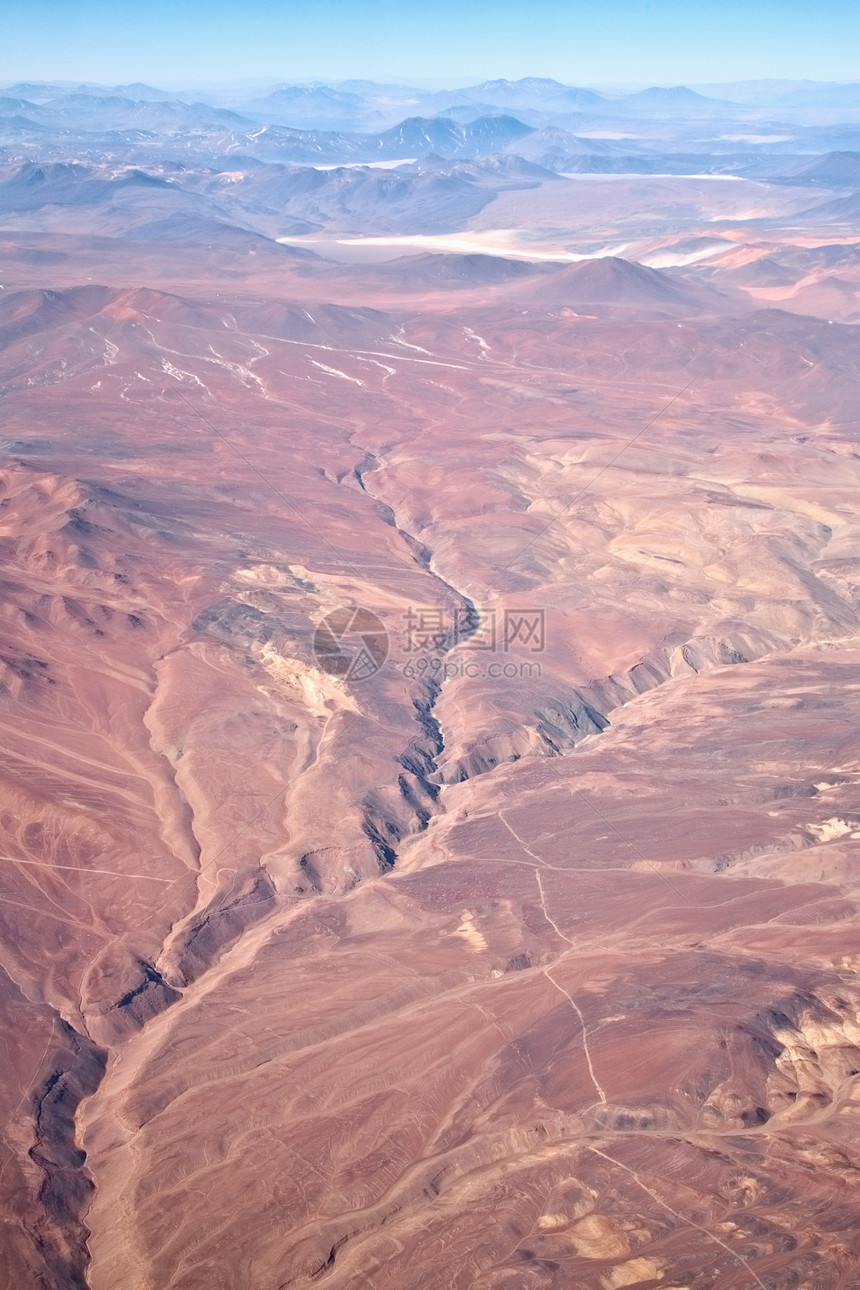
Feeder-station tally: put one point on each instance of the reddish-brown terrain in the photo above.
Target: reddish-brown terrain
(529, 960)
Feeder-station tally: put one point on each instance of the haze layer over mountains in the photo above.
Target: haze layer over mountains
(429, 688)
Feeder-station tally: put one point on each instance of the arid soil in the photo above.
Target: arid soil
(526, 958)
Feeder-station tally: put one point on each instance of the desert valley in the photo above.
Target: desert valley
(430, 672)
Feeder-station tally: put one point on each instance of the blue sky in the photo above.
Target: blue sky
(188, 42)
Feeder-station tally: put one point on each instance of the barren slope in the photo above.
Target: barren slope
(527, 959)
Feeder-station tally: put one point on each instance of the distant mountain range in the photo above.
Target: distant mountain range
(364, 106)
(44, 91)
(354, 102)
(431, 196)
(87, 112)
(556, 127)
(832, 95)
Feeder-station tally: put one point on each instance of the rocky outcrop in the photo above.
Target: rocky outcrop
(59, 1234)
(212, 932)
(558, 724)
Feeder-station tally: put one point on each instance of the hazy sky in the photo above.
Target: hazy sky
(667, 42)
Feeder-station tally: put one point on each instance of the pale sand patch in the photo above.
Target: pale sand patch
(756, 138)
(674, 259)
(262, 575)
(491, 243)
(605, 134)
(597, 1237)
(547, 1221)
(320, 693)
(369, 165)
(630, 1273)
(835, 827)
(469, 932)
